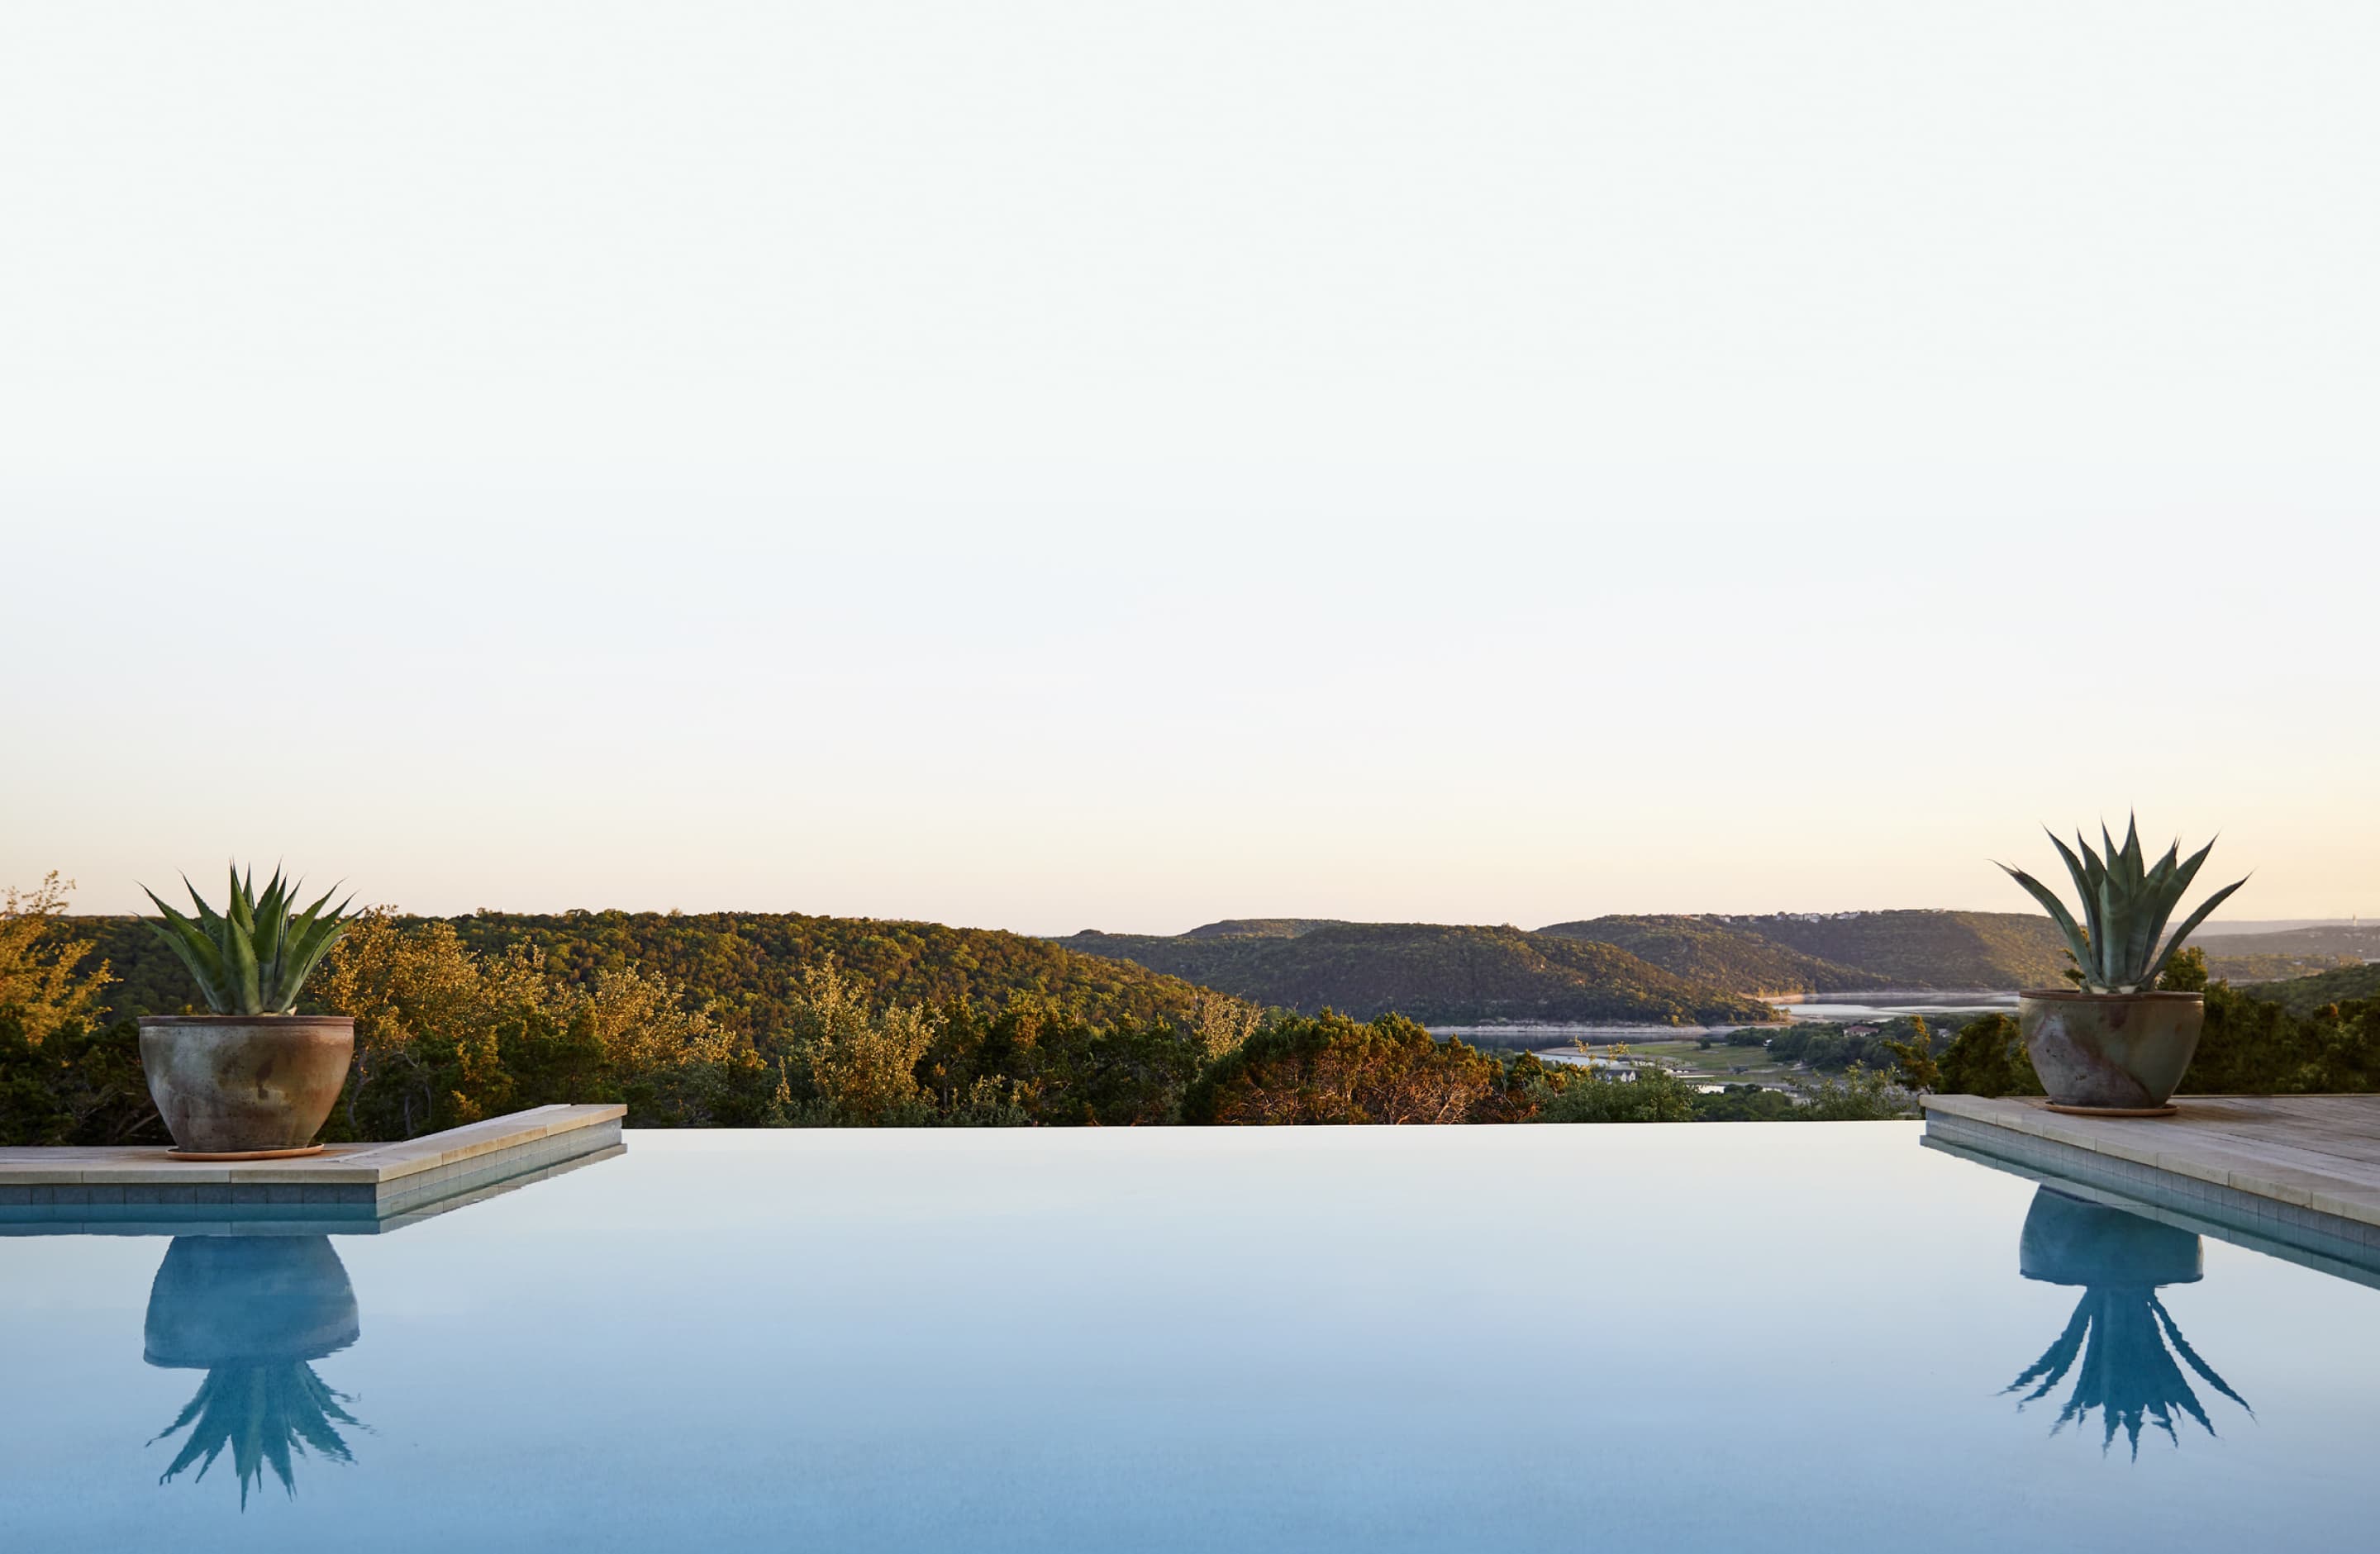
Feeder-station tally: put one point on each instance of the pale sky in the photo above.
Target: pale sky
(1051, 466)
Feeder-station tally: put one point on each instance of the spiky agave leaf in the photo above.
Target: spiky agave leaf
(271, 919)
(2157, 889)
(2190, 925)
(310, 938)
(2078, 941)
(2086, 886)
(196, 953)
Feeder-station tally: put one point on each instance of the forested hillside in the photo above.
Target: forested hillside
(2245, 969)
(1432, 973)
(2303, 995)
(745, 966)
(1708, 950)
(2328, 942)
(1998, 949)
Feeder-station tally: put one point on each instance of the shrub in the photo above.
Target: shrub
(1861, 1095)
(79, 1084)
(1327, 1068)
(1987, 1058)
(1655, 1095)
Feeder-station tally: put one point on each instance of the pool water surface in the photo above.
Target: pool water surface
(1702, 1336)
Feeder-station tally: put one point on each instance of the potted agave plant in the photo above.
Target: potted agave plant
(250, 1079)
(2116, 1046)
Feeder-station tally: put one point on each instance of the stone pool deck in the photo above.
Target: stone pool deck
(137, 1188)
(2300, 1172)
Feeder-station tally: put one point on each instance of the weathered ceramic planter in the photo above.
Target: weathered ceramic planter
(2110, 1052)
(245, 1084)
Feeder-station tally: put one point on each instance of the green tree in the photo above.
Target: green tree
(2186, 972)
(1747, 1103)
(862, 1061)
(1914, 1058)
(1987, 1058)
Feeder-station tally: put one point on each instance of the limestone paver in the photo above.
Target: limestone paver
(348, 1165)
(2316, 1152)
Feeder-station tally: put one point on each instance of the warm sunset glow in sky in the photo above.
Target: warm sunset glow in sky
(1068, 464)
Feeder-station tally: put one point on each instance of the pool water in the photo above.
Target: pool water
(1722, 1337)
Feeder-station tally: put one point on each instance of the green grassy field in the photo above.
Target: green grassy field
(1716, 1063)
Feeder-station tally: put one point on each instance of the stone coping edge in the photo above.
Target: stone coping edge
(2217, 1160)
(367, 1165)
(187, 1217)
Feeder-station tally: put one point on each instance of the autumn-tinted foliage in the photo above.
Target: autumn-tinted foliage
(1327, 1068)
(745, 967)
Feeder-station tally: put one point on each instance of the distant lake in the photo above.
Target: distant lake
(1886, 1004)
(1877, 1006)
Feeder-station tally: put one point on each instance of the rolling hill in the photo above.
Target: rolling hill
(2328, 942)
(1430, 972)
(1264, 927)
(744, 963)
(2303, 995)
(1922, 948)
(1706, 950)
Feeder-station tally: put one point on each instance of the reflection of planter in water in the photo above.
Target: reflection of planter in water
(2121, 1331)
(2072, 1240)
(252, 1311)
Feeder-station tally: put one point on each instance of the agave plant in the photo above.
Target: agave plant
(2120, 943)
(253, 956)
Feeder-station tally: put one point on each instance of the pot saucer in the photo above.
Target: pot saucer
(2114, 1111)
(244, 1154)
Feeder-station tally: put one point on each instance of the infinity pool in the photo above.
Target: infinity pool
(1723, 1337)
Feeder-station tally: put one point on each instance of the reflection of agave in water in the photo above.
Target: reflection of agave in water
(2128, 1374)
(2120, 1330)
(267, 1414)
(253, 1312)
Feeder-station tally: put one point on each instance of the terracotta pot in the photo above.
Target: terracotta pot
(229, 1084)
(2110, 1052)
